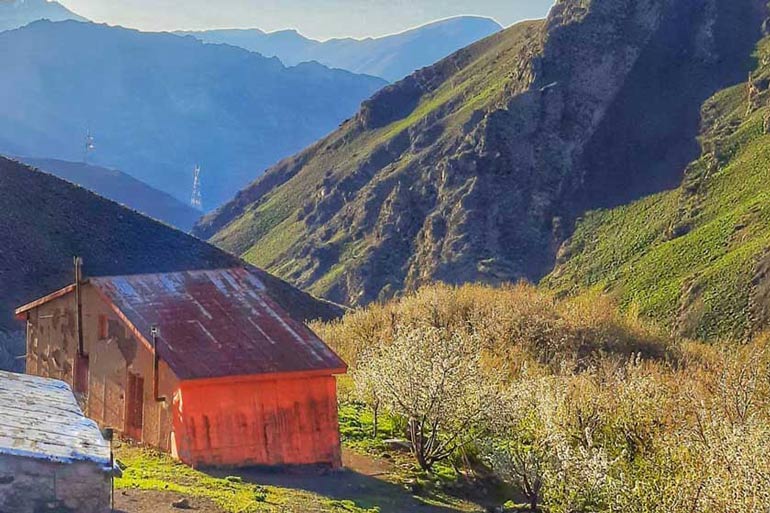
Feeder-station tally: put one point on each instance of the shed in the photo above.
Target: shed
(202, 364)
(52, 458)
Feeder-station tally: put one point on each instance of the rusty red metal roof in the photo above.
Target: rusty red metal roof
(217, 323)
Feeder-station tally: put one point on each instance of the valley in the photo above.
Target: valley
(485, 269)
(475, 169)
(159, 104)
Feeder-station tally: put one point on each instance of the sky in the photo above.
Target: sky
(319, 19)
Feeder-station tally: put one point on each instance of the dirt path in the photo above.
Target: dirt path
(365, 465)
(142, 501)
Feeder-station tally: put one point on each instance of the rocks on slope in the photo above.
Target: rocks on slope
(474, 169)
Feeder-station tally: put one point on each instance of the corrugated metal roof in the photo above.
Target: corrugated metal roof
(39, 418)
(217, 323)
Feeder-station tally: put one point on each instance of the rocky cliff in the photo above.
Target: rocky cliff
(476, 168)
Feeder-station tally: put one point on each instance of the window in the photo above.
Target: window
(104, 327)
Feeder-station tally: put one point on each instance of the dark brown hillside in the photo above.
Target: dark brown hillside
(474, 169)
(121, 188)
(45, 221)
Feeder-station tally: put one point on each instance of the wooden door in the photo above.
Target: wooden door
(135, 406)
(81, 374)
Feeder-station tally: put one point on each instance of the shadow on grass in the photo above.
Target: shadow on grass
(343, 485)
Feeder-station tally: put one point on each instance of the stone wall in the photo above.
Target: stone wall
(29, 485)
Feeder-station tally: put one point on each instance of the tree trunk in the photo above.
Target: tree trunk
(418, 448)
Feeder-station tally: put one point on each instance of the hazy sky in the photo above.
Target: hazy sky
(320, 19)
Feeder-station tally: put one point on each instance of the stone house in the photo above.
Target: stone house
(52, 458)
(201, 364)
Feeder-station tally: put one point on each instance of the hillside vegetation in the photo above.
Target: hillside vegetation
(694, 258)
(292, 220)
(561, 405)
(475, 169)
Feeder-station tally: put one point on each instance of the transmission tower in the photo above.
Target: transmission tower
(197, 198)
(89, 146)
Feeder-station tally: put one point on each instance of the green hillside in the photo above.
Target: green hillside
(476, 169)
(695, 257)
(269, 223)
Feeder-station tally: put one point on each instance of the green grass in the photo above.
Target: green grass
(357, 433)
(357, 428)
(146, 469)
(699, 281)
(275, 243)
(150, 470)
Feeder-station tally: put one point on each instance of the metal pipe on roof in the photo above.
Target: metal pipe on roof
(154, 331)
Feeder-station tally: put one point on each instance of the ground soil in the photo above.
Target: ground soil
(143, 501)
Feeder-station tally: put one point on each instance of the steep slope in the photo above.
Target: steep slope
(157, 104)
(121, 188)
(17, 13)
(389, 57)
(46, 221)
(696, 258)
(474, 169)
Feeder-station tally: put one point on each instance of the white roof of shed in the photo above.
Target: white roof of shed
(40, 418)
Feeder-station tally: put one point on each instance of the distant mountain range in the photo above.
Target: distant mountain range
(158, 104)
(390, 57)
(17, 13)
(46, 221)
(121, 188)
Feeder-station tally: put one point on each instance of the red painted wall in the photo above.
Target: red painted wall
(239, 422)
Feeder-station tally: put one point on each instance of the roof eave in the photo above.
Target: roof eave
(301, 374)
(22, 310)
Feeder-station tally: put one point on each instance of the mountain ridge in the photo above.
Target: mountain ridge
(158, 104)
(121, 188)
(474, 169)
(391, 57)
(18, 13)
(46, 221)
